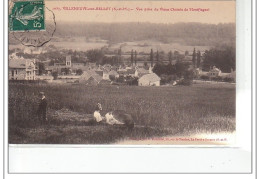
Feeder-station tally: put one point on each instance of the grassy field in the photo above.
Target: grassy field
(158, 111)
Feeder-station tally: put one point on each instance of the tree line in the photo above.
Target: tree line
(223, 57)
(184, 33)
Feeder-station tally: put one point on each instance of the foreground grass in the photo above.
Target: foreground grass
(183, 110)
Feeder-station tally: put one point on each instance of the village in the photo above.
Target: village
(130, 72)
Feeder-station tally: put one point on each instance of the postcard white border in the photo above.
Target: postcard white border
(69, 160)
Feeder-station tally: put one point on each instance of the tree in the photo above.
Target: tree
(170, 57)
(112, 77)
(157, 56)
(145, 65)
(170, 69)
(79, 72)
(51, 63)
(198, 59)
(95, 56)
(177, 56)
(194, 58)
(119, 54)
(159, 69)
(181, 68)
(186, 53)
(41, 67)
(66, 71)
(55, 75)
(223, 58)
(132, 57)
(135, 57)
(151, 57)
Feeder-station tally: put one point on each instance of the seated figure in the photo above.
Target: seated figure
(116, 117)
(97, 115)
(120, 117)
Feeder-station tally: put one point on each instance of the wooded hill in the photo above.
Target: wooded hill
(184, 33)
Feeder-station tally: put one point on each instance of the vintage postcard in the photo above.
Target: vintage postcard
(122, 72)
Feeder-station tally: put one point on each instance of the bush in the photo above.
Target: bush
(79, 72)
(185, 82)
(227, 79)
(189, 75)
(168, 78)
(55, 75)
(218, 78)
(112, 77)
(204, 77)
(132, 81)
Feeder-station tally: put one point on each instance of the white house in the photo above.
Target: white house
(106, 75)
(231, 75)
(150, 79)
(214, 72)
(21, 69)
(140, 72)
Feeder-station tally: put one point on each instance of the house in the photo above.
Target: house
(90, 77)
(231, 75)
(113, 74)
(214, 72)
(67, 65)
(150, 79)
(198, 72)
(34, 50)
(107, 67)
(140, 72)
(21, 69)
(127, 73)
(130, 72)
(106, 75)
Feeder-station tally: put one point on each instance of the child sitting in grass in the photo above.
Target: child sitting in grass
(109, 118)
(97, 116)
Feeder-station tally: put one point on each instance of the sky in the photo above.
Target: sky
(216, 11)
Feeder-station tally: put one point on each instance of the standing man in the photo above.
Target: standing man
(42, 108)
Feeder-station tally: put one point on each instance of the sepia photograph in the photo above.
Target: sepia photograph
(122, 72)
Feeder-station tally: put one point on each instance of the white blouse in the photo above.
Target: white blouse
(97, 116)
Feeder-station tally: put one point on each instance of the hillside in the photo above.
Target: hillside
(183, 33)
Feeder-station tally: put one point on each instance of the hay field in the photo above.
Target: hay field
(160, 111)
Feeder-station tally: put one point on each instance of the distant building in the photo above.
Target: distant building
(107, 67)
(113, 74)
(71, 67)
(106, 74)
(90, 77)
(231, 75)
(21, 69)
(149, 80)
(127, 72)
(214, 72)
(34, 50)
(140, 72)
(198, 72)
(66, 64)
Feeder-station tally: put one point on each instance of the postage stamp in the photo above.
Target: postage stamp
(27, 15)
(31, 23)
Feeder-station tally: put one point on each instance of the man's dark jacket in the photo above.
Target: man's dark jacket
(42, 106)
